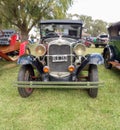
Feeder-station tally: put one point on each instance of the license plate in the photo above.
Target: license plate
(59, 58)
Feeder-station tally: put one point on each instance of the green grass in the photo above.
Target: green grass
(59, 109)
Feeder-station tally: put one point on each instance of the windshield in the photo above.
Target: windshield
(65, 30)
(103, 36)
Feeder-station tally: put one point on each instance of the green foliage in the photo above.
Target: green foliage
(99, 27)
(25, 14)
(4, 23)
(93, 27)
(59, 109)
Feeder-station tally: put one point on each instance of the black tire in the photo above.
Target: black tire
(107, 59)
(93, 77)
(25, 74)
(96, 46)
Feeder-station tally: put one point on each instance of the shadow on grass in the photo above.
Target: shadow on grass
(62, 91)
(115, 72)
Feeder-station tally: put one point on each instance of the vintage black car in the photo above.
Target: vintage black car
(111, 52)
(60, 60)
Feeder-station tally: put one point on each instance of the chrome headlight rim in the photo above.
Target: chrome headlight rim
(40, 50)
(79, 49)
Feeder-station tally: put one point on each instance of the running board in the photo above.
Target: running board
(115, 64)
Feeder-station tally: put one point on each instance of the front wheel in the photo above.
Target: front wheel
(107, 59)
(25, 74)
(93, 77)
(96, 45)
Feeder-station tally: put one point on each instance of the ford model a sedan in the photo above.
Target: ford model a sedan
(111, 52)
(60, 60)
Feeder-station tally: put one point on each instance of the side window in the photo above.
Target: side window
(118, 32)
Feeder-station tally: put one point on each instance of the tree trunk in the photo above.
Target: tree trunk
(24, 36)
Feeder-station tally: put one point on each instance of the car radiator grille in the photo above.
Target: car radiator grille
(59, 51)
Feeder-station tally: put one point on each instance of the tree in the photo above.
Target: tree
(24, 14)
(99, 27)
(93, 27)
(4, 23)
(87, 20)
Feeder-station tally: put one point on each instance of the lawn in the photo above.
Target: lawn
(59, 109)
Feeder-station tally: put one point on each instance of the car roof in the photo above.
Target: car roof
(114, 25)
(66, 21)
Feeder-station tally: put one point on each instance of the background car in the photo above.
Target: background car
(111, 52)
(102, 40)
(87, 41)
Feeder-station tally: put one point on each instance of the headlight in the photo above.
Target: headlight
(40, 50)
(79, 49)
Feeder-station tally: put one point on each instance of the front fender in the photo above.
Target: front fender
(96, 58)
(111, 50)
(32, 60)
(26, 59)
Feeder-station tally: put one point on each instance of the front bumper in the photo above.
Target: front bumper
(72, 85)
